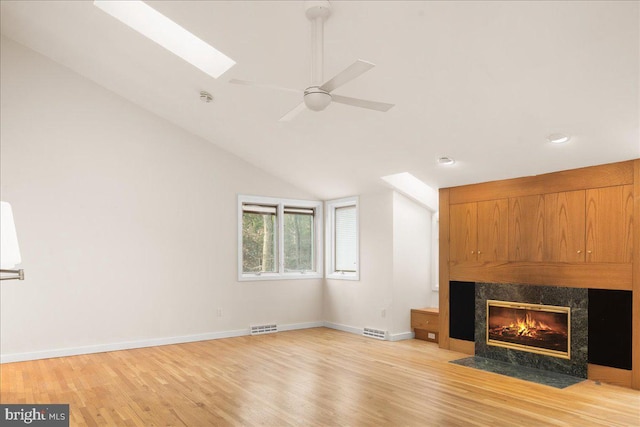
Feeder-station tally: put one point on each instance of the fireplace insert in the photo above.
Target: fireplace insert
(537, 328)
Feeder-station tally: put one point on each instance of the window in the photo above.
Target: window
(279, 238)
(342, 239)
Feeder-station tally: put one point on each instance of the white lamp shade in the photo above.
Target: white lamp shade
(9, 249)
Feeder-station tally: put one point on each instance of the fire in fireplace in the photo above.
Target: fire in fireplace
(537, 328)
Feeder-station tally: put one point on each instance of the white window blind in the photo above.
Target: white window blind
(346, 254)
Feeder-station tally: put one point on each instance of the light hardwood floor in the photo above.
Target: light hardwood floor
(308, 377)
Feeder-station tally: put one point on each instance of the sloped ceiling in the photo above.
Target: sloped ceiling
(482, 82)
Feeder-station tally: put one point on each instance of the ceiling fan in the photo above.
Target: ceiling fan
(320, 94)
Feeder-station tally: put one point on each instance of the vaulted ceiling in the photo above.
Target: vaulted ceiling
(482, 82)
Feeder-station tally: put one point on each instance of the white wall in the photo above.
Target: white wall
(395, 268)
(412, 261)
(127, 224)
(353, 305)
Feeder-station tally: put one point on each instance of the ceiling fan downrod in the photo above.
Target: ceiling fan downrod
(315, 98)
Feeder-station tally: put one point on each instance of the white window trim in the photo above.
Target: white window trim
(330, 207)
(281, 203)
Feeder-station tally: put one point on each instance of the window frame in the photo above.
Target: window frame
(281, 203)
(330, 208)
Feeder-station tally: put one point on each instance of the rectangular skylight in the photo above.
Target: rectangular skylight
(412, 187)
(157, 27)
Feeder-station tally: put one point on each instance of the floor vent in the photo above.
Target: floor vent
(264, 329)
(375, 333)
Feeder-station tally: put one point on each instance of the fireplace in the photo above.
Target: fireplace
(536, 328)
(553, 311)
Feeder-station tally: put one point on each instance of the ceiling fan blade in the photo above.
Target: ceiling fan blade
(268, 86)
(362, 103)
(291, 114)
(348, 74)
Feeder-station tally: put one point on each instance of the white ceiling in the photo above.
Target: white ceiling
(483, 82)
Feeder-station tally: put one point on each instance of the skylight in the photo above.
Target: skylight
(412, 187)
(157, 27)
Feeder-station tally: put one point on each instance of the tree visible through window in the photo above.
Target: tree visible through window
(298, 239)
(259, 242)
(279, 238)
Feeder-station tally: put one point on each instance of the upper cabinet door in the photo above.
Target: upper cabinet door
(564, 231)
(609, 232)
(493, 230)
(526, 228)
(463, 232)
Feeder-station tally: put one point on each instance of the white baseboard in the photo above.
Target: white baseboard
(294, 326)
(129, 345)
(358, 331)
(401, 336)
(343, 328)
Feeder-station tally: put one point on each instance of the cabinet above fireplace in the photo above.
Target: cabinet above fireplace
(560, 228)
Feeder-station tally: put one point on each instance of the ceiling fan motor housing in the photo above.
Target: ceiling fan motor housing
(316, 99)
(317, 9)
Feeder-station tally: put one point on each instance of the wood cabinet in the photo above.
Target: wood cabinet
(593, 225)
(463, 231)
(478, 231)
(425, 323)
(564, 227)
(609, 224)
(526, 228)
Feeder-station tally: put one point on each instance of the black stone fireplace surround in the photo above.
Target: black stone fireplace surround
(603, 315)
(574, 298)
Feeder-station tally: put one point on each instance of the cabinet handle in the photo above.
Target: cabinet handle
(588, 252)
(473, 252)
(479, 252)
(579, 252)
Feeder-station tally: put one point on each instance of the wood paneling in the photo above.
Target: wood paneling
(462, 346)
(605, 374)
(564, 222)
(609, 235)
(550, 217)
(443, 267)
(576, 275)
(492, 226)
(574, 179)
(635, 326)
(463, 234)
(312, 377)
(526, 228)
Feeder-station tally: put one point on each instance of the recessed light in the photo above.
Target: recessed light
(162, 30)
(558, 138)
(446, 161)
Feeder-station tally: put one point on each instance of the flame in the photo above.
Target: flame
(528, 327)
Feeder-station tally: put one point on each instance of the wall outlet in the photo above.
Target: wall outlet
(219, 312)
(383, 313)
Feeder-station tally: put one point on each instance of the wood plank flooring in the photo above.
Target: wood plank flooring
(312, 377)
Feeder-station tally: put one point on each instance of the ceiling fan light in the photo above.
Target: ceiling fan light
(316, 99)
